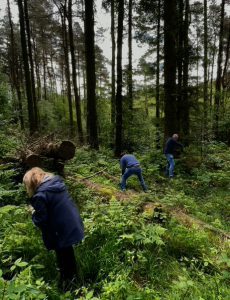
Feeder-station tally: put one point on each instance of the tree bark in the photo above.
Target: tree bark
(170, 30)
(67, 70)
(212, 71)
(219, 73)
(74, 74)
(37, 70)
(205, 63)
(90, 75)
(15, 67)
(180, 59)
(28, 30)
(158, 77)
(130, 54)
(44, 74)
(32, 124)
(185, 124)
(119, 124)
(225, 70)
(113, 95)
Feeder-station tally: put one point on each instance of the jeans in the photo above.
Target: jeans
(133, 171)
(170, 166)
(66, 263)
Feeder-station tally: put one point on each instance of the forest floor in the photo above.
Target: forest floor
(178, 213)
(169, 243)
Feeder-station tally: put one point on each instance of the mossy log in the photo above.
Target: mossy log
(48, 155)
(63, 150)
(35, 155)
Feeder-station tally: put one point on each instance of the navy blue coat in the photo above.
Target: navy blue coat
(171, 146)
(56, 215)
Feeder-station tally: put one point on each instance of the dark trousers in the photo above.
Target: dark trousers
(66, 263)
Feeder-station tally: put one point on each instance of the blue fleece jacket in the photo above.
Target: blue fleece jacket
(127, 161)
(56, 215)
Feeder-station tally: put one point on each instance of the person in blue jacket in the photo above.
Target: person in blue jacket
(58, 218)
(130, 166)
(171, 145)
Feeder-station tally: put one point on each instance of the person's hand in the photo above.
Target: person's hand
(30, 209)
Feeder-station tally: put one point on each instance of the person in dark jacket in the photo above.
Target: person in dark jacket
(57, 216)
(130, 166)
(171, 145)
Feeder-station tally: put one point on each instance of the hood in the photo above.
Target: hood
(54, 184)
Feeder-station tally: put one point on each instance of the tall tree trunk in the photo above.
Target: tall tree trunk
(130, 54)
(185, 103)
(212, 70)
(32, 124)
(78, 74)
(90, 75)
(85, 97)
(53, 75)
(146, 95)
(113, 95)
(119, 125)
(197, 65)
(15, 67)
(225, 81)
(180, 59)
(170, 30)
(44, 74)
(219, 72)
(28, 30)
(74, 74)
(37, 71)
(67, 70)
(205, 63)
(158, 77)
(225, 70)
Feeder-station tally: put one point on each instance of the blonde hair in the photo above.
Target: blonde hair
(33, 178)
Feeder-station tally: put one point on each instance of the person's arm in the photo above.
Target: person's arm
(123, 165)
(180, 145)
(40, 215)
(177, 144)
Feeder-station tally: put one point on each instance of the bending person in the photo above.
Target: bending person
(130, 166)
(58, 218)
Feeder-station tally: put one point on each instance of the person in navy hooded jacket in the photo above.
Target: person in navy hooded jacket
(171, 145)
(130, 166)
(57, 216)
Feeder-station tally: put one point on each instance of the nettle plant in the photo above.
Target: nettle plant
(22, 256)
(115, 237)
(10, 191)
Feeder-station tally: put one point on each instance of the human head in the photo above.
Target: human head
(33, 178)
(175, 136)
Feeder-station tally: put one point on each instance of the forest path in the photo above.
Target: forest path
(176, 212)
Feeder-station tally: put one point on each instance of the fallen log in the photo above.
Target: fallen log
(64, 150)
(38, 153)
(33, 160)
(46, 154)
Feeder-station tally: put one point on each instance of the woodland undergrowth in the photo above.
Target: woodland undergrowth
(134, 248)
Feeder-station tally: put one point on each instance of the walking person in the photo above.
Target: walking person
(58, 218)
(130, 166)
(171, 145)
